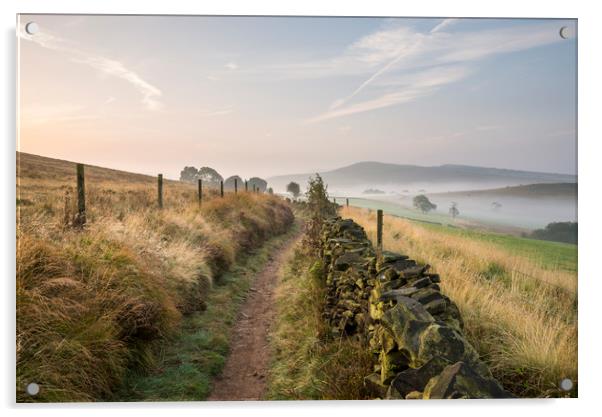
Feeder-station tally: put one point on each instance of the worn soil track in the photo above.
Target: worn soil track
(245, 372)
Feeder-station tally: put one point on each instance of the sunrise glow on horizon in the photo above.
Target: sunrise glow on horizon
(263, 96)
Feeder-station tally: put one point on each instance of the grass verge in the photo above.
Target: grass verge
(307, 362)
(189, 361)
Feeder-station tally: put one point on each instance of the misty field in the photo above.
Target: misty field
(518, 298)
(94, 304)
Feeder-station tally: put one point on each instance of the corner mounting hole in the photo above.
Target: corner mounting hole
(565, 32)
(32, 389)
(566, 384)
(32, 28)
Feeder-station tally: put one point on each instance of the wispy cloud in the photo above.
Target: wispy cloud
(403, 51)
(150, 94)
(444, 23)
(231, 66)
(401, 89)
(217, 112)
(400, 64)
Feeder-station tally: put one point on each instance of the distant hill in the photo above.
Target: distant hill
(378, 174)
(552, 190)
(373, 191)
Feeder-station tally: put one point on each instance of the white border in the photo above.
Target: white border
(589, 173)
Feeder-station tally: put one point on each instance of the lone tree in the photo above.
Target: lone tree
(189, 174)
(422, 203)
(319, 208)
(294, 189)
(453, 209)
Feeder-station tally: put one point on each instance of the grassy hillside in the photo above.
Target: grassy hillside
(548, 255)
(506, 223)
(434, 217)
(92, 303)
(518, 298)
(553, 190)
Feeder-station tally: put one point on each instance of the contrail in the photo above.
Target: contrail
(402, 53)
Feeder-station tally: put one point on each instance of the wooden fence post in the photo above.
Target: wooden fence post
(347, 202)
(246, 186)
(221, 188)
(379, 234)
(235, 186)
(160, 190)
(200, 192)
(80, 220)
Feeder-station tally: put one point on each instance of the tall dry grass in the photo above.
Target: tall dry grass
(91, 302)
(521, 317)
(308, 362)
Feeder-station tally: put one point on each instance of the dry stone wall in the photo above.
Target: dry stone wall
(396, 307)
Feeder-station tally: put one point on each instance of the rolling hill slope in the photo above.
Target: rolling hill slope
(551, 190)
(448, 177)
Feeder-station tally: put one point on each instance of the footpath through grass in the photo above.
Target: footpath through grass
(187, 363)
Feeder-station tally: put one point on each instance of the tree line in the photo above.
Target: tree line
(211, 178)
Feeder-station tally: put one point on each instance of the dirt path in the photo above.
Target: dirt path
(244, 375)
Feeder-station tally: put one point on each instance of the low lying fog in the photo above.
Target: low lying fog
(531, 213)
(524, 212)
(420, 188)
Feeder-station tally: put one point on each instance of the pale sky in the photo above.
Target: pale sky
(262, 96)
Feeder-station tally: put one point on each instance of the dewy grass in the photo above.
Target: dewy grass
(307, 362)
(92, 303)
(519, 315)
(551, 255)
(190, 360)
(548, 255)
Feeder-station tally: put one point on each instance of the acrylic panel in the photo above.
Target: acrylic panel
(295, 208)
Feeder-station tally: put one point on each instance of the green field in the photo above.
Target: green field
(552, 255)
